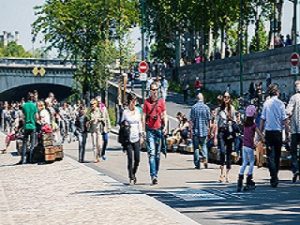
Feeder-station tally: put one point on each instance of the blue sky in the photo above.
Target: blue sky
(18, 15)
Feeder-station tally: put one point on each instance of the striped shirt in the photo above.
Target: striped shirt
(200, 117)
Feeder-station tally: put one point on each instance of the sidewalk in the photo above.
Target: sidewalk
(68, 192)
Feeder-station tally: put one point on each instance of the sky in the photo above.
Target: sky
(18, 15)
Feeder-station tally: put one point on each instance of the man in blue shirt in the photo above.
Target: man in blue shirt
(200, 119)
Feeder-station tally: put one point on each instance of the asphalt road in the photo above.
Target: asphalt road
(198, 195)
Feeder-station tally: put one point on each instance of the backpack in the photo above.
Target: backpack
(124, 133)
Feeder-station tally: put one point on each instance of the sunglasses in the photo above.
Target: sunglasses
(154, 89)
(226, 96)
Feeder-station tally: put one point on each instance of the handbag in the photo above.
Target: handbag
(124, 133)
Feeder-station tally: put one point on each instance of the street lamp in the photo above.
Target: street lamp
(241, 47)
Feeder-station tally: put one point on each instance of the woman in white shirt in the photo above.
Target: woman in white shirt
(43, 113)
(133, 118)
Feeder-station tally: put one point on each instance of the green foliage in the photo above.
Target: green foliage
(259, 41)
(175, 87)
(81, 30)
(112, 116)
(13, 50)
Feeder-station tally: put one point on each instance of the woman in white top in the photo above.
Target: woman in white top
(133, 118)
(43, 113)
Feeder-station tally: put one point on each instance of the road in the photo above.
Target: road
(198, 195)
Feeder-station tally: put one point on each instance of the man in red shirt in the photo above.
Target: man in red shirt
(155, 119)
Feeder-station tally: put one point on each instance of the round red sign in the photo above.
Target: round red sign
(143, 67)
(295, 58)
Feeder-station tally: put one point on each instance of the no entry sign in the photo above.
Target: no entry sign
(143, 67)
(295, 58)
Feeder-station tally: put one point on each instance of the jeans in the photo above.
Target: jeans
(105, 142)
(82, 143)
(196, 142)
(153, 139)
(248, 157)
(135, 147)
(274, 144)
(28, 134)
(238, 145)
(294, 152)
(225, 146)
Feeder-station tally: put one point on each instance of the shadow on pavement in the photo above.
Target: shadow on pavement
(255, 207)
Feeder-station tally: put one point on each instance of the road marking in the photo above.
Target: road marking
(195, 195)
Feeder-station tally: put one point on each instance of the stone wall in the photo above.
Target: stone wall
(220, 73)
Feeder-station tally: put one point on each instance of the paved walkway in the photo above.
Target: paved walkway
(67, 192)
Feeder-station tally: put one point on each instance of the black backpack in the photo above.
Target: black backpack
(124, 133)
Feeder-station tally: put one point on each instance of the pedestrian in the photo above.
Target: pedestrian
(185, 88)
(200, 120)
(273, 117)
(155, 120)
(293, 111)
(197, 86)
(133, 117)
(106, 128)
(30, 113)
(148, 83)
(225, 133)
(164, 87)
(81, 132)
(95, 126)
(248, 149)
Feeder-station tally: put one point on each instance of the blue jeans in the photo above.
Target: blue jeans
(153, 141)
(225, 147)
(28, 134)
(197, 141)
(294, 150)
(248, 157)
(105, 141)
(82, 143)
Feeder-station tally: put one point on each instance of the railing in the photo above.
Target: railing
(30, 62)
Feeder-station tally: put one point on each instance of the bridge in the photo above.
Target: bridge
(20, 75)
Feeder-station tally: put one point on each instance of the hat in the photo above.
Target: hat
(250, 111)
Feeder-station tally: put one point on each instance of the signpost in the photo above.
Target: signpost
(294, 60)
(143, 69)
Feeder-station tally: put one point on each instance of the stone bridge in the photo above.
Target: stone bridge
(18, 76)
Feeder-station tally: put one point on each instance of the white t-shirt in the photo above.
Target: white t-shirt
(45, 116)
(134, 118)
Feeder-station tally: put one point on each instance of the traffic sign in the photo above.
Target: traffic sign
(295, 58)
(143, 67)
(294, 70)
(143, 77)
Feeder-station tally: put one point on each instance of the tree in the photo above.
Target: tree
(14, 50)
(261, 35)
(80, 29)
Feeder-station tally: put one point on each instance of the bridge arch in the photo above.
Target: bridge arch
(18, 92)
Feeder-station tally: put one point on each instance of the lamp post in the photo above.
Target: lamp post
(241, 47)
(143, 43)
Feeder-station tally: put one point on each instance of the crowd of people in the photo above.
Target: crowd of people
(230, 130)
(66, 122)
(223, 127)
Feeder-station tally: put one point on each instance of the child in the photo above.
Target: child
(248, 149)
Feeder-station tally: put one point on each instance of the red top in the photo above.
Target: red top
(198, 84)
(157, 112)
